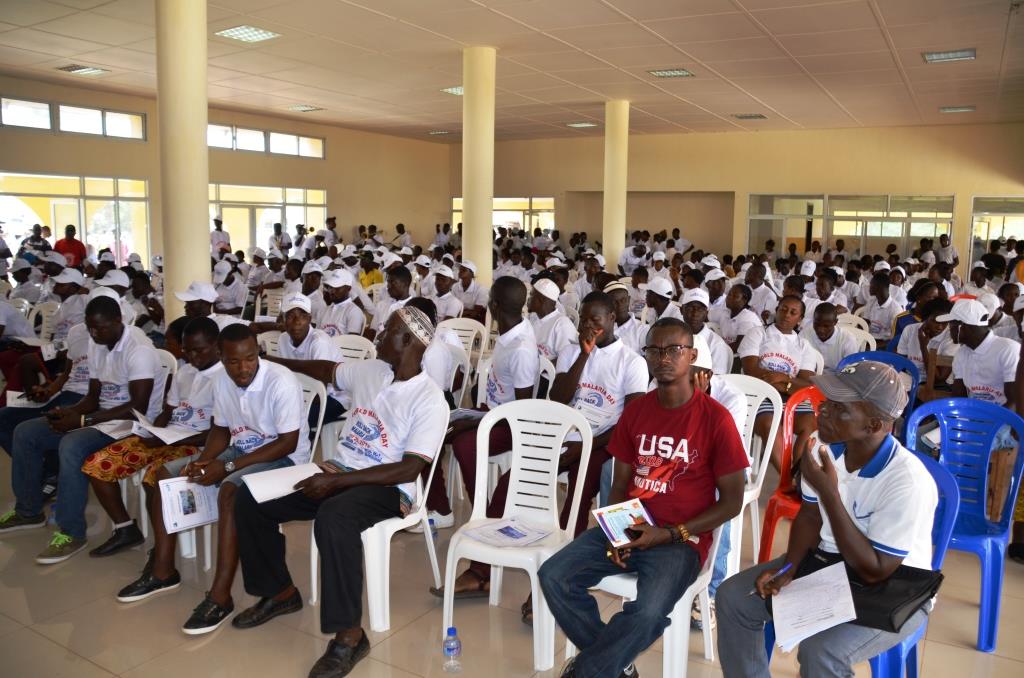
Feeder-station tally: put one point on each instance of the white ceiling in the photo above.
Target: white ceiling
(380, 64)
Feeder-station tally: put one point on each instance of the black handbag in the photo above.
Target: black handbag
(887, 605)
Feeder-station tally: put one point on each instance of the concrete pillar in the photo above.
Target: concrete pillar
(616, 161)
(478, 64)
(184, 157)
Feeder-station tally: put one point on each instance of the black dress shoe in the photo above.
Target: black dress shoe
(146, 586)
(339, 659)
(265, 610)
(123, 538)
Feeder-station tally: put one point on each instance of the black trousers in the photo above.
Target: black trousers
(338, 522)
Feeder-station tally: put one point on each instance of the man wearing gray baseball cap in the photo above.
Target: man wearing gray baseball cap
(866, 500)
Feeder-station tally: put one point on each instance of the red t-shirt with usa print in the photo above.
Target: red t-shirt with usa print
(676, 455)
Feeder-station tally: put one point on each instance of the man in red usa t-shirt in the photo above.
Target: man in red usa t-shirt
(674, 448)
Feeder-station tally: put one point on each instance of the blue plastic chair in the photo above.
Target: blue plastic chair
(968, 430)
(891, 663)
(898, 363)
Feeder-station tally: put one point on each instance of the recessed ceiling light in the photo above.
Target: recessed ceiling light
(954, 55)
(438, 132)
(750, 116)
(304, 108)
(580, 125)
(671, 73)
(457, 91)
(78, 69)
(956, 109)
(247, 34)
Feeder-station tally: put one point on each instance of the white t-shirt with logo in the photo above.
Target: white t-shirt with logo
(133, 358)
(986, 369)
(257, 414)
(191, 396)
(448, 306)
(833, 350)
(341, 318)
(881, 317)
(891, 500)
(475, 295)
(70, 313)
(554, 333)
(78, 353)
(439, 361)
(763, 299)
(610, 374)
(910, 347)
(231, 296)
(316, 346)
(739, 326)
(389, 418)
(778, 352)
(514, 364)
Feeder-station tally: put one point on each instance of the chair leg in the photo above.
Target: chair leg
(187, 543)
(771, 519)
(705, 613)
(377, 552)
(207, 547)
(676, 639)
(889, 664)
(911, 662)
(431, 551)
(992, 563)
(496, 576)
(755, 525)
(543, 629)
(448, 611)
(143, 512)
(734, 558)
(314, 570)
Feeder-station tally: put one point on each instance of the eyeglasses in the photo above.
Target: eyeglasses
(657, 352)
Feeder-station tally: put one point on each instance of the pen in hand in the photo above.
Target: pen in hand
(785, 568)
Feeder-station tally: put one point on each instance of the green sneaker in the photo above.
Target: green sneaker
(12, 522)
(61, 548)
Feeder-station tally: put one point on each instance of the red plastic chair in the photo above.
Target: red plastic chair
(957, 297)
(785, 501)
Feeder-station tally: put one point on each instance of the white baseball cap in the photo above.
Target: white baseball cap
(714, 274)
(882, 266)
(703, 352)
(660, 286)
(390, 258)
(54, 257)
(198, 291)
(712, 261)
(928, 258)
(990, 302)
(406, 251)
(466, 263)
(808, 267)
(446, 271)
(275, 254)
(114, 278)
(696, 294)
(423, 260)
(978, 264)
(311, 267)
(546, 288)
(339, 277)
(69, 275)
(221, 271)
(553, 263)
(324, 262)
(108, 256)
(20, 264)
(967, 311)
(296, 301)
(158, 261)
(134, 256)
(658, 256)
(600, 260)
(103, 292)
(321, 233)
(259, 252)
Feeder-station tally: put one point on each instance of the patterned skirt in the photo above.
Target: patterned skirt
(126, 457)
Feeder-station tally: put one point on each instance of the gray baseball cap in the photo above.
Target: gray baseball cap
(868, 380)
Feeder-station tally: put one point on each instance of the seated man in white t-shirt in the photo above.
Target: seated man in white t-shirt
(447, 304)
(552, 328)
(340, 314)
(919, 339)
(659, 299)
(828, 337)
(985, 365)
(259, 424)
(880, 519)
(695, 305)
(231, 289)
(397, 285)
(398, 422)
(881, 309)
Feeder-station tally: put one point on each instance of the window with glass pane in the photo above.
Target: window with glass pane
(287, 144)
(250, 140)
(293, 214)
(310, 147)
(99, 186)
(315, 196)
(768, 205)
(219, 136)
(457, 204)
(38, 183)
(294, 195)
(101, 226)
(315, 217)
(131, 188)
(25, 113)
(543, 203)
(127, 125)
(250, 194)
(938, 207)
(82, 120)
(133, 230)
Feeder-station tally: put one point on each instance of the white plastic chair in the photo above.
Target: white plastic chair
(21, 304)
(539, 429)
(377, 554)
(499, 463)
(46, 312)
(354, 347)
(866, 341)
(462, 364)
(851, 320)
(270, 302)
(758, 451)
(860, 311)
(377, 292)
(453, 476)
(676, 652)
(471, 333)
(546, 371)
(268, 342)
(819, 360)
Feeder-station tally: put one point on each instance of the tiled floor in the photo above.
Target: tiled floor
(63, 621)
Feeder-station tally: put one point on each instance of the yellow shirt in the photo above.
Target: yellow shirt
(371, 278)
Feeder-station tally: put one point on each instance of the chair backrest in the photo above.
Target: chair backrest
(376, 291)
(900, 364)
(483, 368)
(860, 311)
(807, 394)
(546, 372)
(270, 304)
(313, 389)
(756, 392)
(268, 341)
(539, 429)
(945, 511)
(848, 319)
(864, 339)
(170, 366)
(462, 364)
(573, 315)
(819, 360)
(21, 304)
(421, 489)
(470, 332)
(968, 429)
(46, 312)
(353, 347)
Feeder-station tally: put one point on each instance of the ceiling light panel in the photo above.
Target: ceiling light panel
(580, 125)
(438, 132)
(671, 73)
(457, 91)
(957, 109)
(247, 34)
(954, 55)
(750, 116)
(304, 108)
(78, 69)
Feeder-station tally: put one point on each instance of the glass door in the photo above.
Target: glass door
(238, 222)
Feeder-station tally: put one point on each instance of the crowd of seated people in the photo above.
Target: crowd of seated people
(641, 345)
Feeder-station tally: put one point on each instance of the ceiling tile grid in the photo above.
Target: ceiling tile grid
(381, 64)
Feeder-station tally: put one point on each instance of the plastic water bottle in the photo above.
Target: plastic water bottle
(433, 529)
(452, 651)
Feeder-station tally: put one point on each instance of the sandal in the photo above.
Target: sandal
(483, 589)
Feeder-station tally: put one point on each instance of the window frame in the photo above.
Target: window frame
(49, 105)
(266, 141)
(54, 107)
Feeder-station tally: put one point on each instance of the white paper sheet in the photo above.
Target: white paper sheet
(17, 399)
(509, 532)
(812, 604)
(187, 505)
(167, 434)
(116, 429)
(278, 482)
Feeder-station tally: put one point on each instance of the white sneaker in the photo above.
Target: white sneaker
(441, 522)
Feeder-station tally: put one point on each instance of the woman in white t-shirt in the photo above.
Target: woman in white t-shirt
(785, 361)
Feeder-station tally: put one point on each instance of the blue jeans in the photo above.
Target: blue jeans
(663, 575)
(31, 440)
(721, 560)
(10, 417)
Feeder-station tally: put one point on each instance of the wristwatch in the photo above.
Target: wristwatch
(229, 466)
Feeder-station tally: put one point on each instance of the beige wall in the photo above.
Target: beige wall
(963, 160)
(368, 177)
